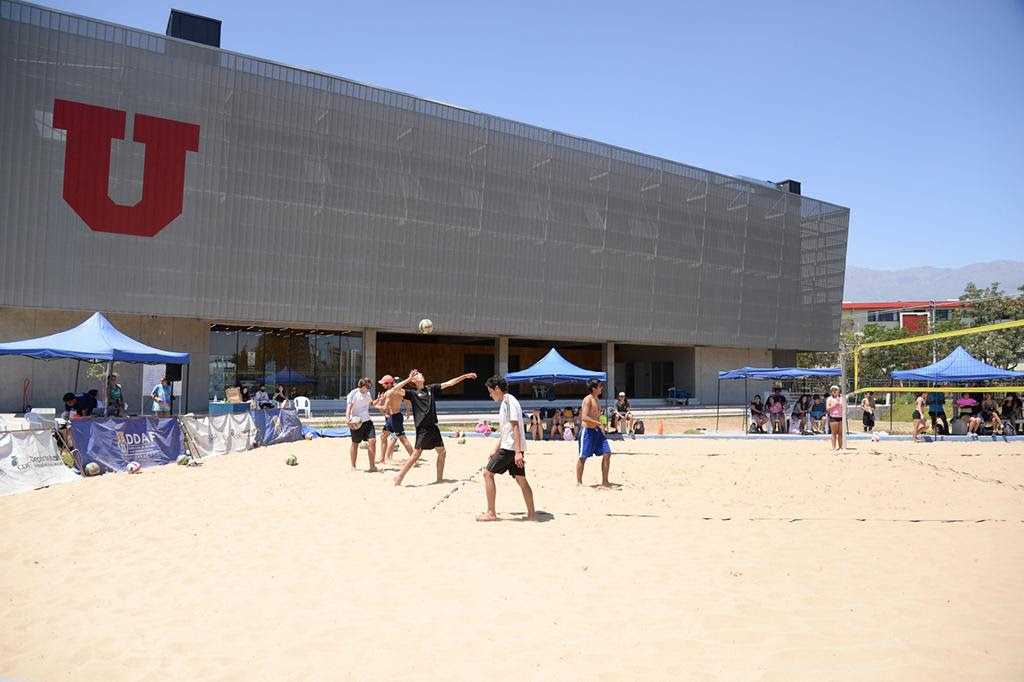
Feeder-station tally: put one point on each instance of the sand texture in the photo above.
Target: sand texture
(714, 560)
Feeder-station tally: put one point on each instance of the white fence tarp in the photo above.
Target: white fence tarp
(222, 434)
(29, 460)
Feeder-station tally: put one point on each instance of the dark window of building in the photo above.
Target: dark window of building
(881, 316)
(315, 365)
(943, 315)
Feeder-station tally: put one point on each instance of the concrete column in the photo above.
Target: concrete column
(370, 355)
(501, 355)
(608, 362)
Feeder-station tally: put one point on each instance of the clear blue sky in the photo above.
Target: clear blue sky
(910, 113)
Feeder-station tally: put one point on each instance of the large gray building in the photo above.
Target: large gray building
(280, 223)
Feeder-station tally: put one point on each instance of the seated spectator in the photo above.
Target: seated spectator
(536, 425)
(817, 414)
(81, 404)
(261, 399)
(802, 413)
(280, 397)
(757, 416)
(776, 408)
(570, 420)
(555, 424)
(989, 414)
(622, 413)
(1008, 409)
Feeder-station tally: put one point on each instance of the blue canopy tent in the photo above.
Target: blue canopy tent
(958, 366)
(95, 341)
(554, 369)
(769, 373)
(287, 376)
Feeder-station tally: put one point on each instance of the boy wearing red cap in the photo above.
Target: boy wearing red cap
(390, 402)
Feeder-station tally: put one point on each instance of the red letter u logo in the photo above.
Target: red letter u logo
(87, 167)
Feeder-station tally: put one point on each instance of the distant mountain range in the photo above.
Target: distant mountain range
(929, 284)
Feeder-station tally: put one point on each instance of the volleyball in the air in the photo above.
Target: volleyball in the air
(182, 460)
(292, 460)
(426, 326)
(134, 468)
(356, 421)
(92, 469)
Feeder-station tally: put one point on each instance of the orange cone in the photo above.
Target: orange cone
(661, 427)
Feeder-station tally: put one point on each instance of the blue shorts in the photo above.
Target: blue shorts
(593, 442)
(395, 424)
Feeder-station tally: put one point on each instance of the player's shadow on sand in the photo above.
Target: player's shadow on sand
(441, 482)
(520, 517)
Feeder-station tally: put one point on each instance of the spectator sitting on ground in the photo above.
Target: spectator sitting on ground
(81, 404)
(776, 407)
(757, 416)
(622, 412)
(817, 414)
(280, 397)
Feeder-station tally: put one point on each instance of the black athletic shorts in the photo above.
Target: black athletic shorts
(916, 415)
(428, 437)
(364, 432)
(504, 461)
(395, 424)
(832, 419)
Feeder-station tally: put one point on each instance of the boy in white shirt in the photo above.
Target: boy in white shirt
(357, 404)
(508, 453)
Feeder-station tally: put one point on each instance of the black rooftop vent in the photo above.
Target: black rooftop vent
(193, 27)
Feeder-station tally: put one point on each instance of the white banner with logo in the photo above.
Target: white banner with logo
(222, 434)
(29, 460)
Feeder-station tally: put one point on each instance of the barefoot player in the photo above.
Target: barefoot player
(508, 453)
(391, 403)
(593, 441)
(357, 404)
(424, 413)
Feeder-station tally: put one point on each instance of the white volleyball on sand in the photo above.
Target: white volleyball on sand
(356, 421)
(364, 445)
(426, 326)
(92, 469)
(182, 460)
(134, 468)
(292, 460)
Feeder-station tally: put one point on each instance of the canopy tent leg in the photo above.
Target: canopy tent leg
(186, 387)
(106, 389)
(78, 367)
(746, 392)
(892, 399)
(718, 404)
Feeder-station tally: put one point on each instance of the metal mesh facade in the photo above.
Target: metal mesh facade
(315, 200)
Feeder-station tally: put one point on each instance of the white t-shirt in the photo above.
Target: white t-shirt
(511, 411)
(360, 403)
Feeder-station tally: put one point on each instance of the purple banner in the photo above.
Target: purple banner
(113, 442)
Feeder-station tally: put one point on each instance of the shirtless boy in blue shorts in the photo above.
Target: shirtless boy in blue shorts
(593, 441)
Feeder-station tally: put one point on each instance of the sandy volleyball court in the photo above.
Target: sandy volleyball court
(714, 560)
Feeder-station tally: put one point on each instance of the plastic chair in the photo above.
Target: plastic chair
(302, 406)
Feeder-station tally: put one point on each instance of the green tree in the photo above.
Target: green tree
(1004, 348)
